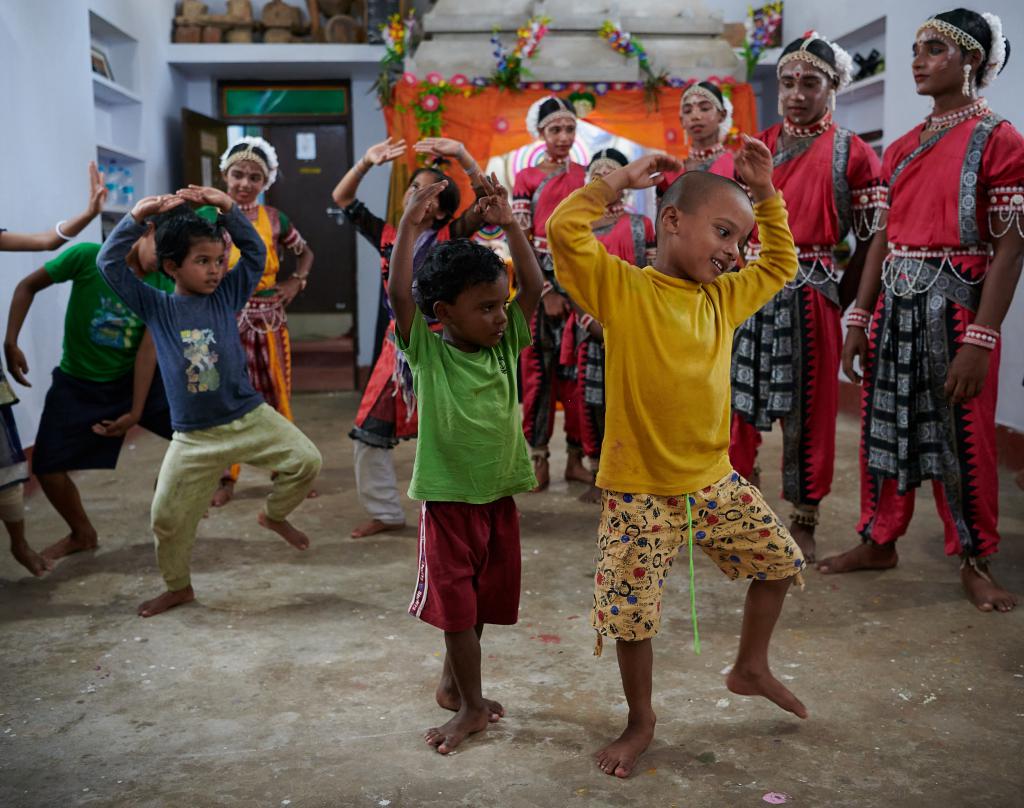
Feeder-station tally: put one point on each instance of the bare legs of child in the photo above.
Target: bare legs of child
(750, 676)
(63, 494)
(473, 711)
(23, 554)
(447, 693)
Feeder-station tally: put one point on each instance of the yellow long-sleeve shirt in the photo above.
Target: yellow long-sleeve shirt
(668, 346)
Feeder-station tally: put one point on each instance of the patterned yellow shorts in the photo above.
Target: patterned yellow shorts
(640, 534)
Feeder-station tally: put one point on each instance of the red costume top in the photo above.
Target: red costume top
(831, 183)
(631, 238)
(537, 193)
(956, 192)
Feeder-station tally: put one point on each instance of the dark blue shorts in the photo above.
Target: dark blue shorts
(66, 442)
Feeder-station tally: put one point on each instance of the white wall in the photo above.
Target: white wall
(48, 139)
(904, 109)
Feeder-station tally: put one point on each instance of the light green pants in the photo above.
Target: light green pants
(192, 468)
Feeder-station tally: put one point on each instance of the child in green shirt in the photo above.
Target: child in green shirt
(471, 456)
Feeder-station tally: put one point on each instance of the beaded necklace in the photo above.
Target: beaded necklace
(947, 120)
(701, 155)
(819, 127)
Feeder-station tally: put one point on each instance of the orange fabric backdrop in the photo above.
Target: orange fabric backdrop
(493, 121)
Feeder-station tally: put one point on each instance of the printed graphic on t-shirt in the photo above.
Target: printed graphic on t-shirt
(201, 375)
(114, 326)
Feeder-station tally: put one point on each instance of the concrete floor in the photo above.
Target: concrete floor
(297, 678)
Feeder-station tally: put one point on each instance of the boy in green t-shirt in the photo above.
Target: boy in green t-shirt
(471, 456)
(104, 385)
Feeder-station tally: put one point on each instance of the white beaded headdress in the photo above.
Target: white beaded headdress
(535, 124)
(842, 73)
(996, 58)
(269, 165)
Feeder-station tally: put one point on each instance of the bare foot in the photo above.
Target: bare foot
(762, 683)
(575, 470)
(620, 756)
(222, 496)
(373, 527)
(755, 477)
(542, 472)
(803, 535)
(168, 600)
(70, 544)
(986, 595)
(30, 559)
(450, 734)
(295, 537)
(865, 556)
(448, 697)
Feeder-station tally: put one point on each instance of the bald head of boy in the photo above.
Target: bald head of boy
(703, 225)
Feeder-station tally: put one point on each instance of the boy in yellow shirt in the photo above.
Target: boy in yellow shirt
(665, 471)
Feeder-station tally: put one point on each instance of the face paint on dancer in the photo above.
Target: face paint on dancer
(938, 63)
(803, 92)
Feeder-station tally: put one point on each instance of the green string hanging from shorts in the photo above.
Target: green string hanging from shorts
(693, 583)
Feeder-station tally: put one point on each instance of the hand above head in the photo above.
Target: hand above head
(204, 195)
(494, 205)
(97, 190)
(643, 173)
(439, 147)
(152, 205)
(384, 152)
(754, 167)
(418, 210)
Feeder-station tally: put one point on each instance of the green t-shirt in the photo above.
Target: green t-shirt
(101, 334)
(470, 446)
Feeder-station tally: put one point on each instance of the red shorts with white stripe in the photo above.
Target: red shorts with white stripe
(469, 565)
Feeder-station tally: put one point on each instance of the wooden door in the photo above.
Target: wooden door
(312, 158)
(203, 141)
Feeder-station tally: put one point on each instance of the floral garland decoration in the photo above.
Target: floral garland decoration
(397, 36)
(764, 30)
(630, 47)
(509, 69)
(429, 105)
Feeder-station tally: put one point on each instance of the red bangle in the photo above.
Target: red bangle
(858, 318)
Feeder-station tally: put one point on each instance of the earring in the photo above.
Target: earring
(967, 89)
(781, 112)
(832, 100)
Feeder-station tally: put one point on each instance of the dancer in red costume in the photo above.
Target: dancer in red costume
(948, 257)
(546, 381)
(786, 357)
(706, 117)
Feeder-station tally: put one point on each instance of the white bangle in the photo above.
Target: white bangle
(60, 232)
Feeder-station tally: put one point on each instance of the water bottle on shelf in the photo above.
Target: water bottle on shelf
(127, 197)
(112, 179)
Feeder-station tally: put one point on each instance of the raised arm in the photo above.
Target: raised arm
(64, 230)
(495, 209)
(400, 281)
(112, 262)
(21, 302)
(752, 287)
(447, 148)
(344, 193)
(238, 284)
(583, 267)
